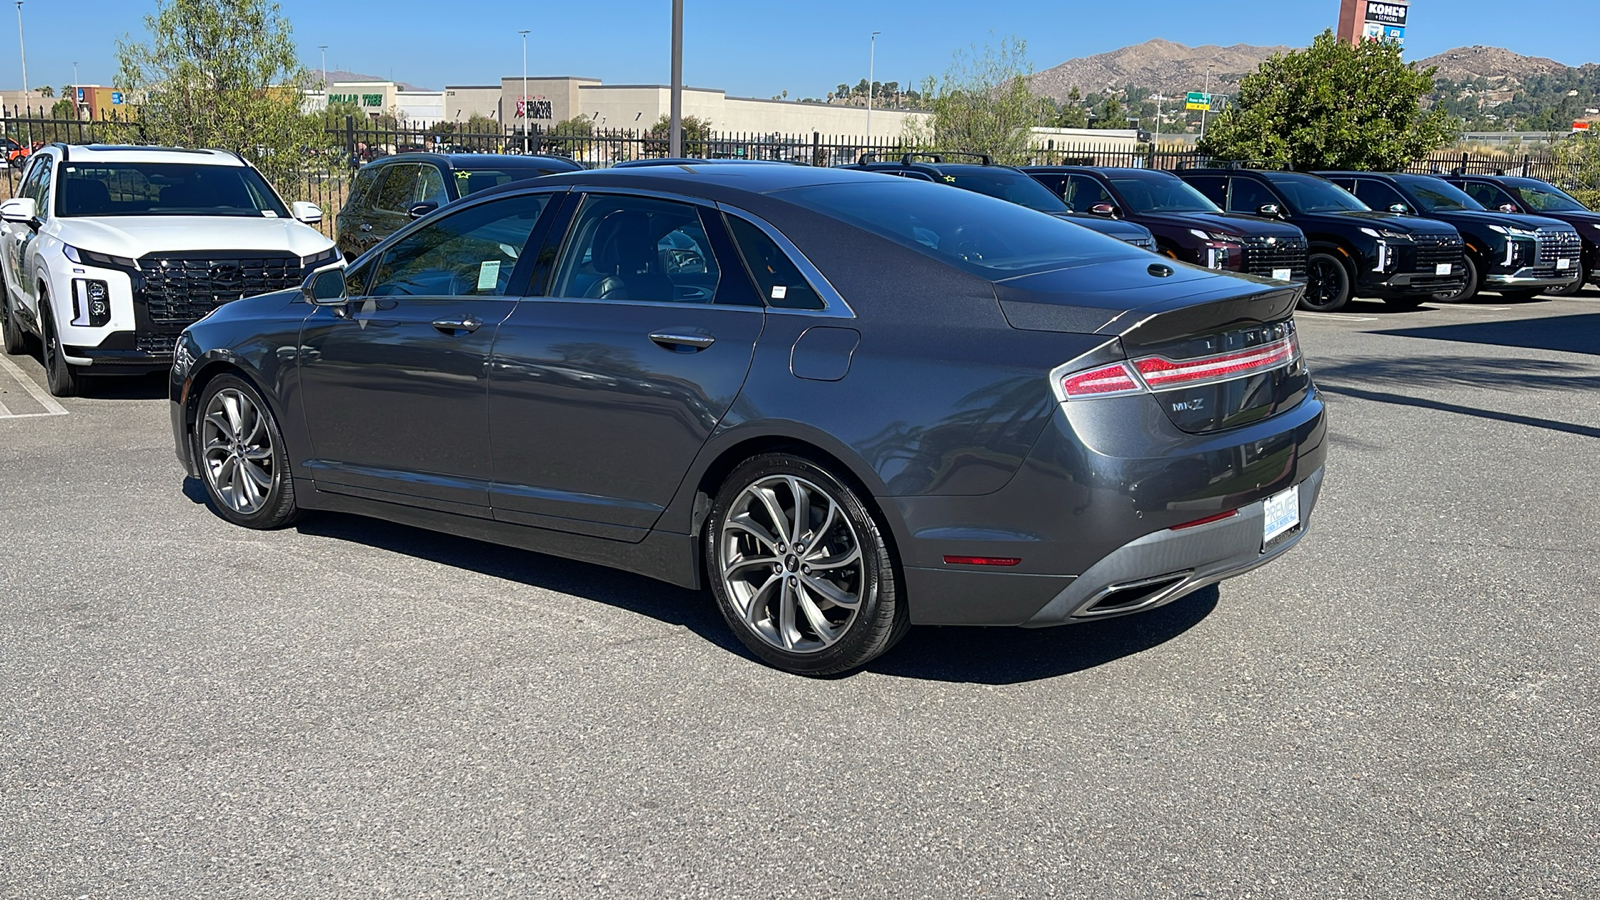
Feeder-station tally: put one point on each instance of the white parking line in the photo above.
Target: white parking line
(1335, 317)
(51, 407)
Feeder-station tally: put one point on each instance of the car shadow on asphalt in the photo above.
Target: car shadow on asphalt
(967, 655)
(127, 387)
(1565, 334)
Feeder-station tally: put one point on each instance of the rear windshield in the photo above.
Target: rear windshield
(990, 238)
(164, 189)
(1311, 194)
(1146, 194)
(1436, 195)
(1012, 187)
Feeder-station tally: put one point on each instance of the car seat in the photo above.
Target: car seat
(627, 259)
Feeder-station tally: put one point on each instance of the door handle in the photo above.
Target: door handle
(673, 340)
(468, 324)
(366, 226)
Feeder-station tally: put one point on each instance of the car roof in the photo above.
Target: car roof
(476, 160)
(692, 161)
(115, 153)
(723, 180)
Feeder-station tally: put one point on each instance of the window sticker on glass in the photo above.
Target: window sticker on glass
(488, 274)
(779, 291)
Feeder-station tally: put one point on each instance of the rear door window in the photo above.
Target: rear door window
(362, 185)
(775, 274)
(1084, 192)
(1491, 196)
(639, 249)
(1215, 187)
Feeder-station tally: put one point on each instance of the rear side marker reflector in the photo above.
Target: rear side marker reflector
(1004, 561)
(1206, 521)
(1157, 373)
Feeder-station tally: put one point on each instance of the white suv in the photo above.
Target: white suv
(109, 252)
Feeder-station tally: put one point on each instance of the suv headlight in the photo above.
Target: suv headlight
(320, 259)
(91, 258)
(1214, 236)
(1386, 234)
(1513, 230)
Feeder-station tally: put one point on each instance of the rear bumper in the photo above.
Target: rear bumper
(1092, 512)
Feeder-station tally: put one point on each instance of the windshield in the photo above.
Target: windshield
(1159, 195)
(979, 234)
(165, 189)
(1434, 195)
(471, 181)
(1012, 187)
(1310, 194)
(1544, 197)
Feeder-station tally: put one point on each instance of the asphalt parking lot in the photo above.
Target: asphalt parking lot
(1406, 706)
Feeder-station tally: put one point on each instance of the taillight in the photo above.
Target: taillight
(1157, 373)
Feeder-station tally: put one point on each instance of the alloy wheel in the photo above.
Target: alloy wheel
(1325, 288)
(236, 450)
(790, 562)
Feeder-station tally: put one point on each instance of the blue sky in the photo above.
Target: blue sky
(759, 47)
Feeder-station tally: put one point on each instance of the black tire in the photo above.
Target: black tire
(1328, 284)
(879, 618)
(1576, 287)
(224, 486)
(12, 339)
(1468, 291)
(62, 378)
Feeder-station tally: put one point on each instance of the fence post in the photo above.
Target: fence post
(816, 148)
(1527, 160)
(350, 141)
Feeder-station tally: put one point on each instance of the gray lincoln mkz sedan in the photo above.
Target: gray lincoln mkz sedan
(850, 402)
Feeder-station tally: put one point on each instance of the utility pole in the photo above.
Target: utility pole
(1207, 107)
(675, 126)
(325, 91)
(527, 111)
(1157, 141)
(23, 46)
(872, 53)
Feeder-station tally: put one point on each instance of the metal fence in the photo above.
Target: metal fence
(324, 177)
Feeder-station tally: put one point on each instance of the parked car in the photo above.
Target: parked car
(1530, 196)
(869, 402)
(1516, 256)
(391, 191)
(1355, 252)
(109, 252)
(16, 155)
(1003, 182)
(1187, 226)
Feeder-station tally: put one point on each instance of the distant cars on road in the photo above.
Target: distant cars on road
(1530, 196)
(1354, 251)
(1516, 256)
(392, 191)
(1186, 224)
(850, 403)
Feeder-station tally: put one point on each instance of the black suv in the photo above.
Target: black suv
(392, 191)
(1513, 255)
(1515, 194)
(1355, 252)
(1004, 183)
(1187, 225)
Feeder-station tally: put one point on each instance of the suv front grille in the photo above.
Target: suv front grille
(1557, 244)
(1434, 250)
(1264, 255)
(180, 290)
(155, 344)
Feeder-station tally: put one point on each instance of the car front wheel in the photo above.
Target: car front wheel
(60, 376)
(1468, 290)
(1327, 284)
(242, 459)
(1576, 287)
(801, 569)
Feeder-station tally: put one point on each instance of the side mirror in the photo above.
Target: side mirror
(1103, 209)
(325, 287)
(1269, 211)
(418, 210)
(1400, 208)
(306, 211)
(20, 210)
(1510, 208)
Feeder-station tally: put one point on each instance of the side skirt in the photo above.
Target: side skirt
(664, 556)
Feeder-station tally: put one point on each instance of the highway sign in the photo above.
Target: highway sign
(1197, 100)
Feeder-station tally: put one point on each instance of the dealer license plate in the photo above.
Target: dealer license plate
(1282, 274)
(1282, 514)
(1563, 264)
(1442, 269)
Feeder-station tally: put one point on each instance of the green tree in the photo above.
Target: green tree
(223, 74)
(47, 91)
(1332, 106)
(577, 126)
(982, 104)
(481, 124)
(1071, 112)
(1110, 114)
(1581, 155)
(696, 131)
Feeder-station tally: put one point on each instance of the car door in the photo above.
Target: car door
(1492, 196)
(604, 389)
(394, 383)
(1246, 195)
(19, 237)
(1379, 196)
(354, 239)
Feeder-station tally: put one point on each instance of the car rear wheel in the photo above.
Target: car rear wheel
(1467, 291)
(61, 377)
(1327, 284)
(241, 455)
(800, 568)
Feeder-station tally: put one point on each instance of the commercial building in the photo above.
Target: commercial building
(1373, 20)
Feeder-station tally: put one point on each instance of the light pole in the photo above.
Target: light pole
(526, 112)
(23, 50)
(1207, 108)
(675, 123)
(325, 91)
(872, 54)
